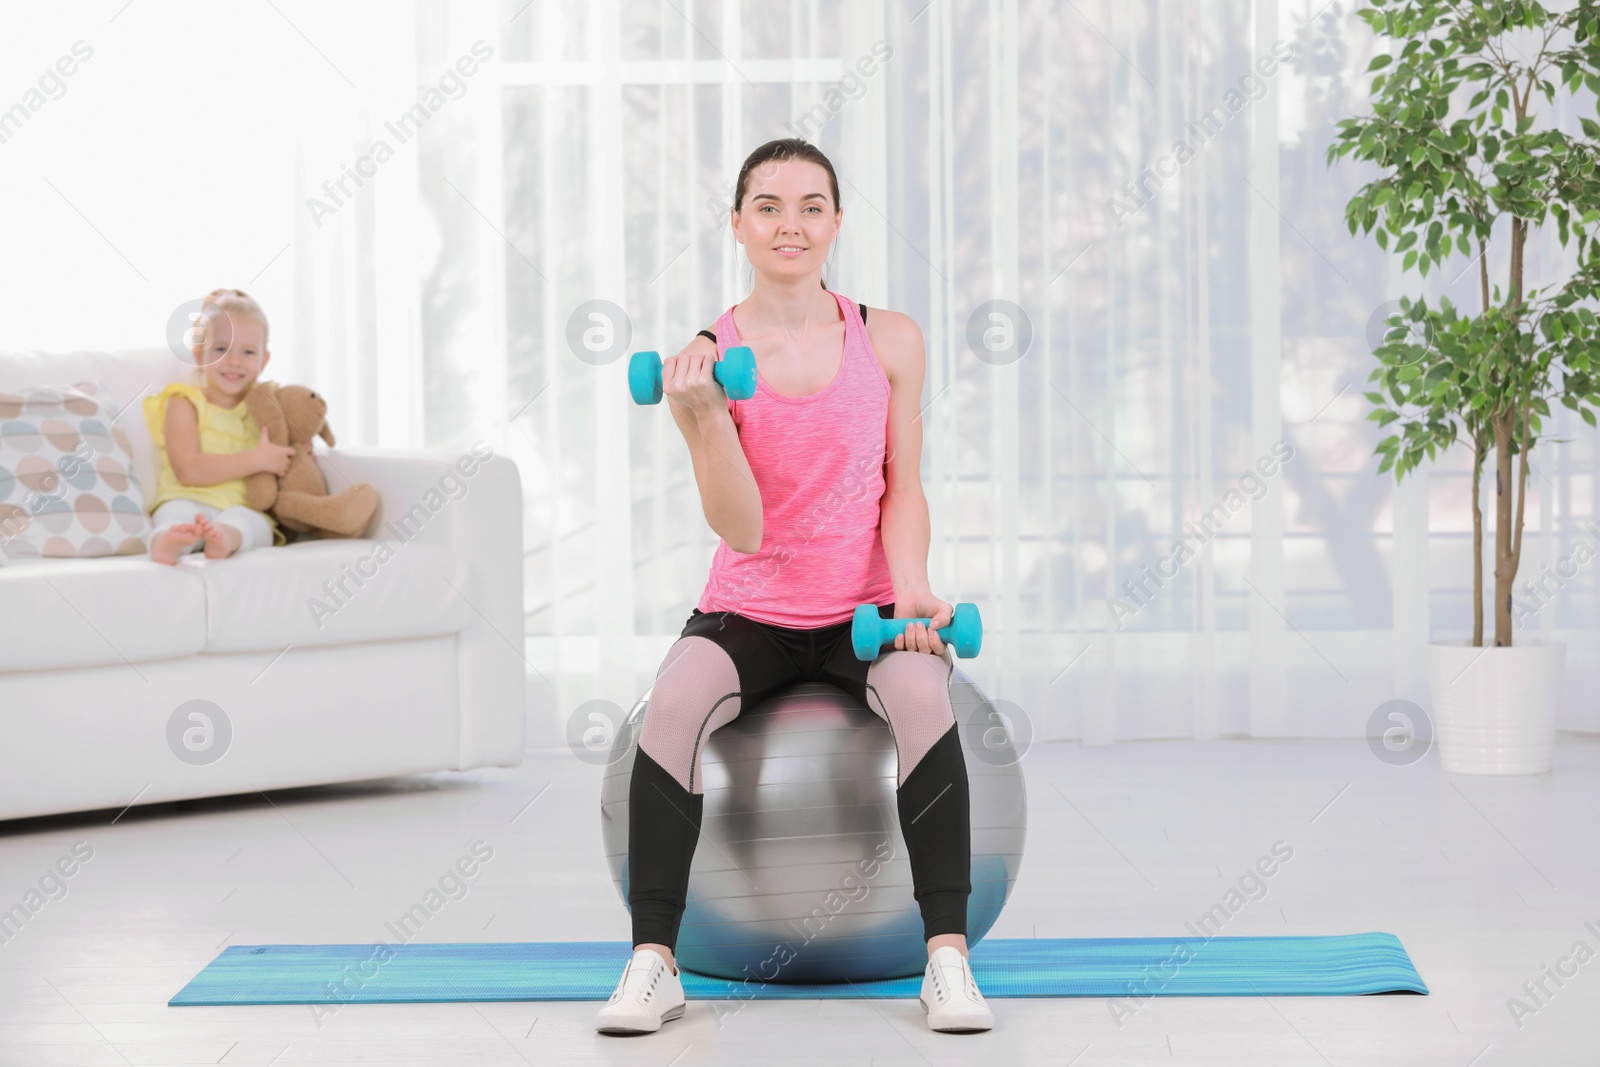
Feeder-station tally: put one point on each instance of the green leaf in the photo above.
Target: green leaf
(1411, 257)
(1588, 416)
(1379, 62)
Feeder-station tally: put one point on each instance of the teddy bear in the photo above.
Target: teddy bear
(299, 500)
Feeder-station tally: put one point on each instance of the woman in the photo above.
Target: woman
(813, 485)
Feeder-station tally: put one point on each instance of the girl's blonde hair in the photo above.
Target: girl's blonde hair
(235, 303)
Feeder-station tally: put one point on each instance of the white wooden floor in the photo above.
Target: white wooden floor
(1486, 882)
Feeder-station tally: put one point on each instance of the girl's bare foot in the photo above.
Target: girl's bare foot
(167, 545)
(222, 540)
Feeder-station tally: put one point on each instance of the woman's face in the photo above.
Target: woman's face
(788, 220)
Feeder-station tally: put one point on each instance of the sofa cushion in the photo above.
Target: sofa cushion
(68, 486)
(87, 612)
(333, 592)
(127, 375)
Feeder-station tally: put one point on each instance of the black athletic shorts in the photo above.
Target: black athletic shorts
(772, 658)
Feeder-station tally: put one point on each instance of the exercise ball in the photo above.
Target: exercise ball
(801, 873)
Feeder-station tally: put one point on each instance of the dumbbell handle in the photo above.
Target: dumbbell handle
(735, 372)
(870, 632)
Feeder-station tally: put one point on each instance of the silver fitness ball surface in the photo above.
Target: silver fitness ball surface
(801, 873)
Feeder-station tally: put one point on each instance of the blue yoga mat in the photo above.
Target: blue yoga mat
(1341, 965)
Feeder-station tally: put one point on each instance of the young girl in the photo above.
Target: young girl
(814, 486)
(208, 442)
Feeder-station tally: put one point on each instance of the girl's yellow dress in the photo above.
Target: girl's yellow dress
(221, 430)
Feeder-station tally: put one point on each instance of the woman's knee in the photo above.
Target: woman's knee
(906, 683)
(696, 689)
(912, 691)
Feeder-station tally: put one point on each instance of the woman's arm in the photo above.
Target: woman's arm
(903, 518)
(194, 467)
(700, 344)
(728, 493)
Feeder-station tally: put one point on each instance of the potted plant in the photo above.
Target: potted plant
(1457, 181)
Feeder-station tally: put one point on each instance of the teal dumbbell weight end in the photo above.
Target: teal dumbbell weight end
(735, 372)
(869, 631)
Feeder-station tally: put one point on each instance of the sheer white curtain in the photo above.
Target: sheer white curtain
(1194, 313)
(560, 199)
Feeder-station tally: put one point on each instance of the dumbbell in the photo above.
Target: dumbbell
(735, 372)
(869, 631)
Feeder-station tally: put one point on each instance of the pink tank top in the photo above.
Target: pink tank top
(818, 463)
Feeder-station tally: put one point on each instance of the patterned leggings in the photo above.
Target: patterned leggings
(724, 662)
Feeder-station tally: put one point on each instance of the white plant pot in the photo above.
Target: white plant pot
(1495, 708)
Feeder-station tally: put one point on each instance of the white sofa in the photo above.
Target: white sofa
(417, 665)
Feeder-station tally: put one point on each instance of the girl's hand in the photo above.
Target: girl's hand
(920, 637)
(274, 459)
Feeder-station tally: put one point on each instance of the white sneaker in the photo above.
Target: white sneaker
(648, 995)
(950, 995)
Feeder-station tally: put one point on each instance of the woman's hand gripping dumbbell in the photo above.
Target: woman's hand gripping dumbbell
(689, 377)
(869, 631)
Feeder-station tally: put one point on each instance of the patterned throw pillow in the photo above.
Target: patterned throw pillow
(67, 480)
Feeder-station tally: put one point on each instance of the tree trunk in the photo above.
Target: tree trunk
(1507, 423)
(1477, 543)
(1504, 564)
(1479, 451)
